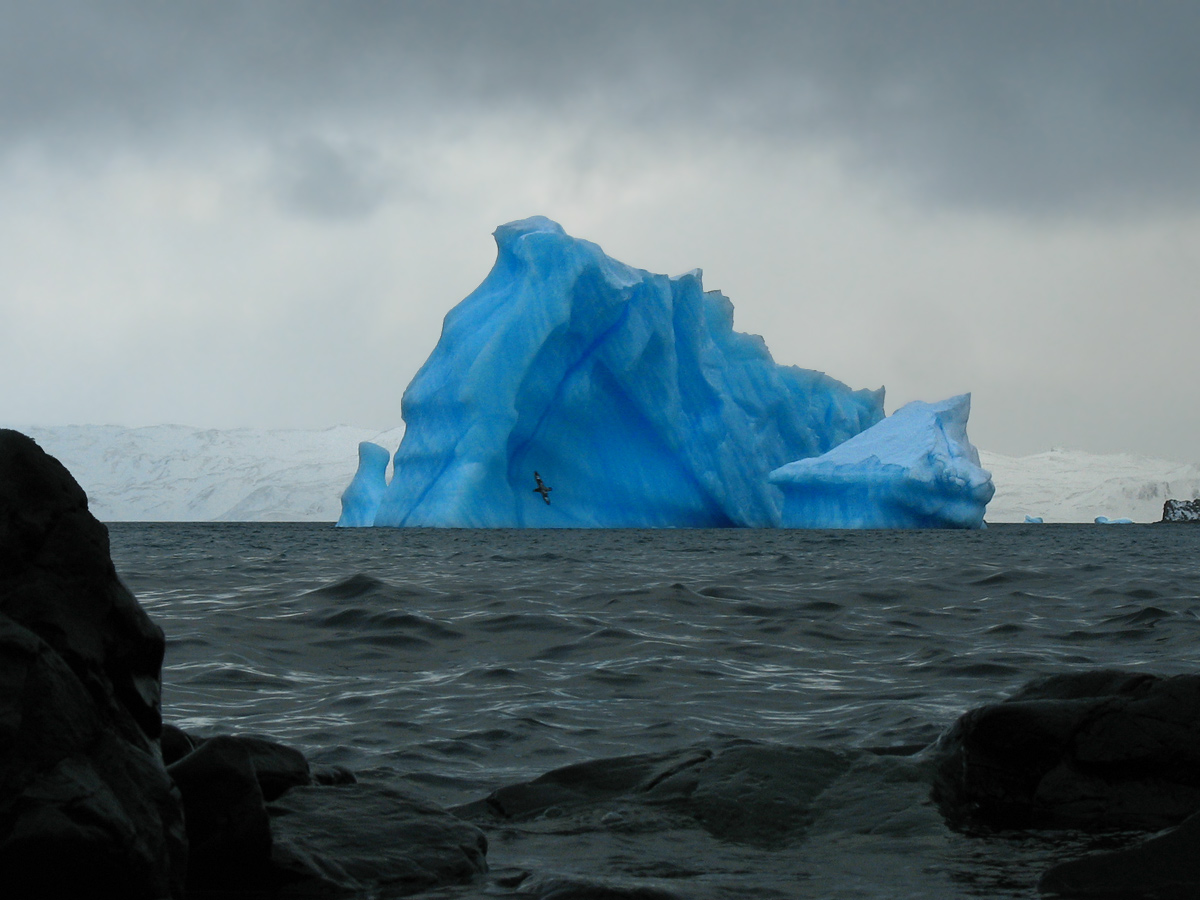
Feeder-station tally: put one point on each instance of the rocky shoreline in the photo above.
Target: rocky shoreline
(100, 797)
(1181, 511)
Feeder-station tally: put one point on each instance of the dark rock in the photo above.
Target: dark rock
(746, 792)
(330, 775)
(369, 838)
(553, 887)
(277, 767)
(1181, 511)
(568, 889)
(229, 835)
(56, 579)
(1165, 867)
(1095, 750)
(585, 784)
(176, 743)
(86, 807)
(71, 788)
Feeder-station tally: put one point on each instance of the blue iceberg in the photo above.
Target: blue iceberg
(629, 393)
(362, 497)
(915, 469)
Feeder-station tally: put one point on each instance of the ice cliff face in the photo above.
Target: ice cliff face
(628, 392)
(915, 469)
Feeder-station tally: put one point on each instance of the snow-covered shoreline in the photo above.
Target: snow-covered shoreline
(1076, 486)
(180, 473)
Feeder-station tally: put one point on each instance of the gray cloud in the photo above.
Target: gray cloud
(327, 180)
(1041, 107)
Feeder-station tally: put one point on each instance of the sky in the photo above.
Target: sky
(230, 214)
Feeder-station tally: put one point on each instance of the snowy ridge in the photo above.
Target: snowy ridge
(176, 473)
(1075, 486)
(179, 473)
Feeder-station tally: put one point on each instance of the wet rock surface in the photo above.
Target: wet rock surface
(741, 791)
(537, 887)
(368, 837)
(1096, 751)
(1164, 867)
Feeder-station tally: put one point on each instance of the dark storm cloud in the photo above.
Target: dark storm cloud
(1038, 106)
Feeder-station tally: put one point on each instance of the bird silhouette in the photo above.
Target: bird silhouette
(542, 488)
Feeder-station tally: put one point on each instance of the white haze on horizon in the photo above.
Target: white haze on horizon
(178, 473)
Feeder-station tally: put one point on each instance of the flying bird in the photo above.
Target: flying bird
(542, 488)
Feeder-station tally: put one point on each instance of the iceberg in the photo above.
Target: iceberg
(1105, 520)
(362, 496)
(628, 392)
(915, 469)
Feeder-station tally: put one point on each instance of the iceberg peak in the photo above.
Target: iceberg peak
(629, 392)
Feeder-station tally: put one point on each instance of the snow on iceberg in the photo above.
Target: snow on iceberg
(629, 392)
(915, 469)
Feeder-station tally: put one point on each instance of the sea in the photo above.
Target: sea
(451, 663)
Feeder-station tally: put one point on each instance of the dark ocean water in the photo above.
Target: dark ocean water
(455, 662)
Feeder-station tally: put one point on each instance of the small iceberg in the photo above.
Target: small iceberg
(915, 469)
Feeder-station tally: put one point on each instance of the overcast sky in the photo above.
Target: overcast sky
(257, 213)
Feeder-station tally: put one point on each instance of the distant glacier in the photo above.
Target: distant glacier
(179, 473)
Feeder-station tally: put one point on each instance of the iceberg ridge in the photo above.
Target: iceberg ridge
(629, 392)
(915, 469)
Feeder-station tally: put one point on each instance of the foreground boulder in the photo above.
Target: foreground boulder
(229, 835)
(86, 807)
(1165, 867)
(368, 839)
(740, 791)
(1100, 750)
(260, 821)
